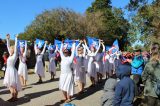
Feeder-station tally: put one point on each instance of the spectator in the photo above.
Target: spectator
(137, 68)
(5, 56)
(150, 76)
(109, 92)
(124, 92)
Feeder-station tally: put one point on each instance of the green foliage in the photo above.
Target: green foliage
(145, 25)
(101, 20)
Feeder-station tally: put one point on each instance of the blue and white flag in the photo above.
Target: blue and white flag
(51, 47)
(114, 48)
(107, 48)
(58, 43)
(40, 43)
(115, 43)
(21, 43)
(69, 43)
(93, 42)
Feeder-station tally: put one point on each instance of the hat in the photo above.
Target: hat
(137, 50)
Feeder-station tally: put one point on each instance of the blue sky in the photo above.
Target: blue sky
(15, 15)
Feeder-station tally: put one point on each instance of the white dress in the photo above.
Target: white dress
(52, 65)
(39, 68)
(91, 70)
(106, 63)
(11, 78)
(99, 63)
(111, 64)
(22, 69)
(66, 82)
(80, 73)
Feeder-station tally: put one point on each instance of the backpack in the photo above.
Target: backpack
(157, 88)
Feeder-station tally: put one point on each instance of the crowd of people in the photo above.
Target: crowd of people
(127, 74)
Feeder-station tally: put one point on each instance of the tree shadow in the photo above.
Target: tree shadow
(27, 98)
(47, 81)
(3, 87)
(89, 91)
(7, 90)
(4, 92)
(56, 104)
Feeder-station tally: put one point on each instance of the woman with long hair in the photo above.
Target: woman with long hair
(22, 69)
(11, 79)
(39, 67)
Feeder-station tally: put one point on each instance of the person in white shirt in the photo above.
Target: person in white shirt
(66, 81)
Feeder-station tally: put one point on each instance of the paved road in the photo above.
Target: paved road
(48, 94)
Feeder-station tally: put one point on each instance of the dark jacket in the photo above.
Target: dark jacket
(109, 92)
(124, 92)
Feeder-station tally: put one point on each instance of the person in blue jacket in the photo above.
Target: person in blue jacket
(137, 65)
(124, 92)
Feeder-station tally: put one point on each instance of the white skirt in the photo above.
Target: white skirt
(39, 69)
(66, 83)
(99, 67)
(22, 70)
(106, 66)
(92, 70)
(52, 67)
(11, 79)
(80, 75)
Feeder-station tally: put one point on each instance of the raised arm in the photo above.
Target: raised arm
(25, 51)
(35, 48)
(87, 47)
(103, 47)
(84, 50)
(15, 46)
(44, 48)
(61, 51)
(56, 49)
(77, 48)
(8, 43)
(73, 50)
(98, 48)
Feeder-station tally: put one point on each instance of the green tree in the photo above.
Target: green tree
(145, 25)
(108, 22)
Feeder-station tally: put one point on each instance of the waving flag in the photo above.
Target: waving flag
(21, 43)
(114, 48)
(115, 43)
(69, 43)
(39, 43)
(51, 47)
(92, 42)
(107, 48)
(57, 42)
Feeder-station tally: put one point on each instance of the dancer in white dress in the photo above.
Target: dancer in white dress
(52, 57)
(111, 65)
(22, 70)
(66, 82)
(39, 67)
(11, 79)
(80, 73)
(99, 64)
(91, 66)
(106, 64)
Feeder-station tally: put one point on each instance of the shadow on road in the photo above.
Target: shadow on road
(27, 98)
(47, 81)
(89, 91)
